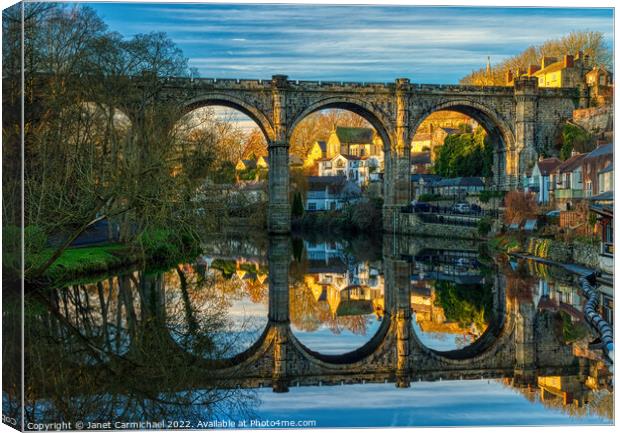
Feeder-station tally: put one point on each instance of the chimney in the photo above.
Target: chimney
(532, 70)
(509, 77)
(521, 72)
(568, 61)
(586, 60)
(546, 61)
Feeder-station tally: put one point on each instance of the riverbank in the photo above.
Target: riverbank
(581, 254)
(154, 249)
(362, 217)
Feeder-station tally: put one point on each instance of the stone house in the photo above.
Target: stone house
(421, 142)
(568, 71)
(353, 141)
(600, 83)
(539, 179)
(330, 193)
(566, 184)
(593, 163)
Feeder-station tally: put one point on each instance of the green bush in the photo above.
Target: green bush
(486, 195)
(575, 138)
(429, 197)
(484, 226)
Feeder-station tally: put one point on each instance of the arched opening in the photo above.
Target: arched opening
(234, 291)
(458, 313)
(463, 141)
(336, 299)
(234, 161)
(340, 148)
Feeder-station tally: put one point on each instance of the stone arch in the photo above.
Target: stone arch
(496, 338)
(497, 127)
(225, 100)
(375, 117)
(487, 117)
(355, 356)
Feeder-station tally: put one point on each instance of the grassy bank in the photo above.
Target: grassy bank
(152, 249)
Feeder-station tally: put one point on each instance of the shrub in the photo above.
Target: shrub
(484, 226)
(487, 195)
(429, 197)
(519, 205)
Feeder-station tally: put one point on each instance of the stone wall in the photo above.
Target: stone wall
(562, 252)
(594, 120)
(411, 224)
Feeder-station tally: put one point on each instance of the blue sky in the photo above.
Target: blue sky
(361, 43)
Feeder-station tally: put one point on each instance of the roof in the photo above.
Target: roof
(452, 130)
(572, 163)
(334, 184)
(420, 157)
(422, 136)
(354, 307)
(249, 163)
(352, 157)
(608, 169)
(460, 181)
(425, 177)
(547, 165)
(556, 66)
(322, 144)
(604, 196)
(602, 150)
(354, 135)
(331, 265)
(598, 70)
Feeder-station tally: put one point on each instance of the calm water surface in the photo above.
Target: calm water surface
(329, 333)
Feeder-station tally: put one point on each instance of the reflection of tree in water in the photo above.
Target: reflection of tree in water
(519, 281)
(469, 305)
(129, 348)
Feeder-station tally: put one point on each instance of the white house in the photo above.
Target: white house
(539, 180)
(330, 193)
(354, 168)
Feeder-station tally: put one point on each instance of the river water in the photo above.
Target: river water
(286, 332)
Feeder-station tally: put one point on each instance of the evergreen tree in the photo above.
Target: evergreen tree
(297, 209)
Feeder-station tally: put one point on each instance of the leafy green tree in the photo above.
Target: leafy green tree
(575, 138)
(466, 154)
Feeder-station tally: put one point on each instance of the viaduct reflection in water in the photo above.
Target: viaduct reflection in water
(166, 343)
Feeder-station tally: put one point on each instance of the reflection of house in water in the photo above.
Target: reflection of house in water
(577, 393)
(349, 289)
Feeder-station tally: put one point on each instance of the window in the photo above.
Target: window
(312, 206)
